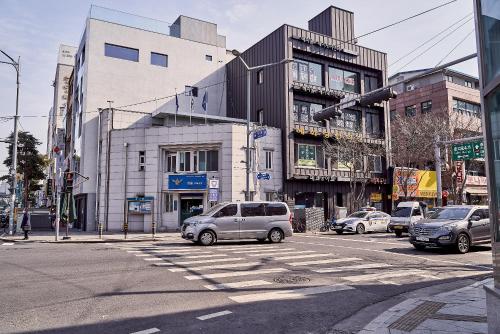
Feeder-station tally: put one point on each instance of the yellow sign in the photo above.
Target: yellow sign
(376, 197)
(414, 183)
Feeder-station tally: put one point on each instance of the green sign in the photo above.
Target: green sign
(467, 151)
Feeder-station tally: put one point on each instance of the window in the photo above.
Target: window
(349, 120)
(184, 161)
(169, 202)
(227, 211)
(303, 112)
(307, 72)
(449, 78)
(208, 57)
(468, 84)
(373, 123)
(411, 111)
(159, 59)
(252, 210)
(142, 160)
(208, 161)
(171, 162)
(371, 83)
(343, 80)
(121, 52)
(260, 116)
(275, 209)
(426, 106)
(306, 155)
(260, 77)
(466, 108)
(269, 159)
(375, 163)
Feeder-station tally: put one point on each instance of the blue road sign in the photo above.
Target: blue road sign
(259, 133)
(263, 176)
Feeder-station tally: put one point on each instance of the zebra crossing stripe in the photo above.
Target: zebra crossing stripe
(181, 252)
(214, 315)
(383, 276)
(307, 263)
(347, 268)
(236, 285)
(242, 248)
(298, 256)
(208, 261)
(235, 274)
(261, 251)
(206, 256)
(217, 266)
(279, 253)
(152, 259)
(289, 294)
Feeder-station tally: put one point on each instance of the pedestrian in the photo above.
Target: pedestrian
(26, 224)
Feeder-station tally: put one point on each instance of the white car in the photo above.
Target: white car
(363, 221)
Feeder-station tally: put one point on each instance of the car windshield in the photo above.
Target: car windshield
(213, 209)
(450, 213)
(359, 214)
(402, 211)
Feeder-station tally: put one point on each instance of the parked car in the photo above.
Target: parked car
(457, 226)
(404, 214)
(240, 220)
(362, 221)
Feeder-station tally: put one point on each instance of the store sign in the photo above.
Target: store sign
(187, 182)
(213, 195)
(459, 171)
(467, 151)
(414, 183)
(375, 197)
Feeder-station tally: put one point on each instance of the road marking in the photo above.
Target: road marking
(204, 256)
(142, 255)
(236, 285)
(235, 274)
(298, 256)
(7, 244)
(217, 266)
(261, 251)
(147, 331)
(399, 254)
(208, 261)
(289, 294)
(214, 315)
(181, 252)
(271, 254)
(378, 276)
(152, 259)
(307, 263)
(249, 248)
(163, 264)
(347, 268)
(352, 240)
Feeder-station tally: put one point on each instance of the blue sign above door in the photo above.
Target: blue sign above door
(187, 182)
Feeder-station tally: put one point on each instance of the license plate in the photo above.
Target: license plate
(422, 239)
(398, 227)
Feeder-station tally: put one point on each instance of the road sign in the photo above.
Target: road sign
(263, 176)
(260, 133)
(213, 183)
(213, 195)
(467, 151)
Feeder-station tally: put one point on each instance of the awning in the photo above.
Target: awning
(478, 191)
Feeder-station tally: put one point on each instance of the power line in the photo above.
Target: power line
(456, 46)
(429, 40)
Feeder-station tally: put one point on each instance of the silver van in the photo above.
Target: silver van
(240, 220)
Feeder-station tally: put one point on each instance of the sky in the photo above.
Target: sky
(34, 29)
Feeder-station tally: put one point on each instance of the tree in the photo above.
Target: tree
(353, 153)
(30, 164)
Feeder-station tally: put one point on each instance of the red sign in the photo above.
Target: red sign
(56, 149)
(459, 171)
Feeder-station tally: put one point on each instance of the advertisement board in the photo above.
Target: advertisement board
(417, 183)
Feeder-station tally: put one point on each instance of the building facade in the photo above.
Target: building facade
(125, 60)
(328, 67)
(455, 98)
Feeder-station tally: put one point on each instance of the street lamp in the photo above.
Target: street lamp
(249, 70)
(14, 151)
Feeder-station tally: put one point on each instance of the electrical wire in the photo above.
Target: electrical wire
(455, 47)
(429, 40)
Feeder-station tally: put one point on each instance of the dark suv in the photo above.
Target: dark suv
(457, 226)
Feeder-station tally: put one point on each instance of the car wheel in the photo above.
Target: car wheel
(419, 247)
(261, 240)
(339, 232)
(275, 235)
(360, 228)
(206, 238)
(398, 233)
(463, 243)
(389, 230)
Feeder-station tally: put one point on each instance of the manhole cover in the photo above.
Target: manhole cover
(291, 279)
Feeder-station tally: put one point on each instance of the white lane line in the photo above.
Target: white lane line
(298, 256)
(147, 331)
(163, 264)
(236, 285)
(208, 261)
(307, 263)
(272, 254)
(203, 256)
(217, 266)
(378, 276)
(7, 244)
(289, 294)
(152, 259)
(235, 274)
(142, 255)
(347, 268)
(261, 251)
(371, 241)
(214, 315)
(399, 254)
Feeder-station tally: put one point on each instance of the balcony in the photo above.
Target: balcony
(315, 130)
(323, 174)
(314, 90)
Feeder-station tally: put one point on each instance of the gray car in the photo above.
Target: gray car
(240, 220)
(454, 226)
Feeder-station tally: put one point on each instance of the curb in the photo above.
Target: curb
(80, 241)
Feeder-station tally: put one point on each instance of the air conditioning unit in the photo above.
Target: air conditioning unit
(410, 88)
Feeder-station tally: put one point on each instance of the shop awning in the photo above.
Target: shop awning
(477, 191)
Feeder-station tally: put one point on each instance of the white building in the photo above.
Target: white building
(176, 166)
(129, 59)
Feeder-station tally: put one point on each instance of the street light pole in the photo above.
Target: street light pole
(14, 150)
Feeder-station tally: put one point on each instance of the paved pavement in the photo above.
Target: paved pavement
(307, 284)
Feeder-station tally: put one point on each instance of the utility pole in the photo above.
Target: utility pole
(14, 150)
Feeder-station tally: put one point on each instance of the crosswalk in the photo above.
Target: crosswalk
(250, 273)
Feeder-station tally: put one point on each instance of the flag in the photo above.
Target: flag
(204, 103)
(176, 103)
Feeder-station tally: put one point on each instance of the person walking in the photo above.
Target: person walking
(26, 224)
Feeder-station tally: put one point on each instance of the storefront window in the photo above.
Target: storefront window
(349, 120)
(343, 80)
(306, 155)
(304, 111)
(307, 72)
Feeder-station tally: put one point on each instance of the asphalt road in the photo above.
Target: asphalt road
(307, 284)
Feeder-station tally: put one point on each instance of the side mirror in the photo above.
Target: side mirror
(474, 218)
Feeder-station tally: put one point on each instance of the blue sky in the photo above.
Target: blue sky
(33, 30)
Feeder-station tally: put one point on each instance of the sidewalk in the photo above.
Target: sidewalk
(90, 237)
(461, 311)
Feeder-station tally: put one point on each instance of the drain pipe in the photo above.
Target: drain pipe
(125, 227)
(110, 127)
(98, 169)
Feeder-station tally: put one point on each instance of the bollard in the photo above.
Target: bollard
(125, 229)
(153, 229)
(100, 230)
